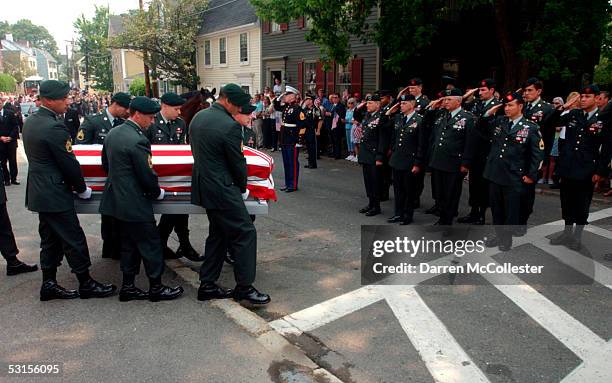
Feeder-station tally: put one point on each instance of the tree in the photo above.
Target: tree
(17, 66)
(166, 30)
(37, 35)
(7, 83)
(93, 43)
(137, 87)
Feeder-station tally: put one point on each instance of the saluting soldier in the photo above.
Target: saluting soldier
(218, 183)
(94, 130)
(8, 246)
(451, 152)
(386, 129)
(53, 174)
(293, 119)
(514, 158)
(371, 154)
(130, 187)
(583, 161)
(406, 158)
(415, 87)
(314, 123)
(542, 113)
(169, 128)
(478, 186)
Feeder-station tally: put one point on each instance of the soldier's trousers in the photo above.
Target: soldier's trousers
(371, 173)
(448, 190)
(404, 190)
(527, 201)
(576, 196)
(8, 154)
(291, 165)
(311, 143)
(230, 230)
(505, 201)
(419, 180)
(177, 222)
(111, 237)
(384, 180)
(479, 187)
(61, 233)
(337, 135)
(8, 246)
(140, 240)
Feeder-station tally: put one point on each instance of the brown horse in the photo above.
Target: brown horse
(196, 101)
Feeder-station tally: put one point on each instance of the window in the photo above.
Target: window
(207, 52)
(343, 78)
(244, 48)
(308, 22)
(245, 88)
(310, 77)
(222, 51)
(274, 27)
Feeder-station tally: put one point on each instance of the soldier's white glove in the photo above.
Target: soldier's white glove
(161, 195)
(86, 194)
(245, 195)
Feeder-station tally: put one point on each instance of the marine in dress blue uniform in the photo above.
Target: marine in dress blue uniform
(293, 119)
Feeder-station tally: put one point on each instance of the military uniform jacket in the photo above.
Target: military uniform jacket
(9, 126)
(131, 184)
(481, 143)
(421, 104)
(313, 116)
(372, 147)
(542, 114)
(219, 169)
(2, 191)
(516, 151)
(53, 170)
(450, 148)
(95, 128)
(406, 147)
(72, 121)
(163, 132)
(293, 119)
(248, 137)
(583, 152)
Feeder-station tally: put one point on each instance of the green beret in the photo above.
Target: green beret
(235, 94)
(123, 99)
(144, 105)
(172, 99)
(54, 90)
(247, 109)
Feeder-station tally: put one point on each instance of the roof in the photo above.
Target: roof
(13, 46)
(115, 24)
(225, 14)
(46, 54)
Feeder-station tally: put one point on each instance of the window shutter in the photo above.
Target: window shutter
(284, 26)
(356, 75)
(331, 78)
(266, 26)
(301, 77)
(320, 80)
(300, 22)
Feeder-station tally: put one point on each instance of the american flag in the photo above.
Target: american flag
(173, 165)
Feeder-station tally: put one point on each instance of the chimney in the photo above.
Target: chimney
(9, 37)
(24, 43)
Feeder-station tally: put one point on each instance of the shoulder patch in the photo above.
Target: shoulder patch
(81, 135)
(69, 146)
(150, 159)
(541, 144)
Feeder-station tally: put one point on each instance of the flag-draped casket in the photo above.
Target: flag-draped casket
(173, 164)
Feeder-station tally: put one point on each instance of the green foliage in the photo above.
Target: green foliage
(37, 35)
(17, 66)
(7, 83)
(93, 42)
(137, 87)
(603, 72)
(166, 30)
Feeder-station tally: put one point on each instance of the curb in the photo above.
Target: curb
(554, 192)
(256, 326)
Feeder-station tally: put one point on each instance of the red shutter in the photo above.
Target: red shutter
(331, 78)
(356, 76)
(266, 26)
(300, 22)
(320, 80)
(301, 77)
(284, 26)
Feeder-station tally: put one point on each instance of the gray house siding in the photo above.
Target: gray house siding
(287, 49)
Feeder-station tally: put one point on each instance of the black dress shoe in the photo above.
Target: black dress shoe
(284, 188)
(229, 259)
(188, 252)
(365, 209)
(394, 219)
(208, 291)
(373, 212)
(505, 247)
(251, 295)
(416, 204)
(520, 231)
(132, 293)
(290, 190)
(51, 290)
(20, 268)
(15, 182)
(467, 219)
(169, 254)
(492, 242)
(306, 166)
(432, 210)
(95, 289)
(164, 293)
(406, 221)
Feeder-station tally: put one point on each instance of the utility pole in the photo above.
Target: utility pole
(86, 66)
(144, 59)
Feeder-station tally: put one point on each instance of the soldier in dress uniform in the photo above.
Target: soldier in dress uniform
(415, 88)
(479, 189)
(372, 151)
(8, 246)
(219, 179)
(451, 152)
(169, 128)
(131, 186)
(94, 130)
(513, 161)
(406, 158)
(542, 113)
(583, 161)
(314, 123)
(293, 120)
(72, 118)
(53, 175)
(386, 129)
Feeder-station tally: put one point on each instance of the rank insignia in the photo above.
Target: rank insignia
(541, 144)
(302, 117)
(150, 159)
(69, 146)
(81, 135)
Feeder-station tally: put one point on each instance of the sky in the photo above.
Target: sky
(58, 15)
